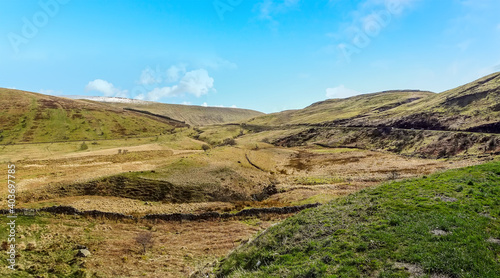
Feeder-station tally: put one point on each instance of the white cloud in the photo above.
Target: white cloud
(204, 104)
(158, 93)
(149, 76)
(175, 72)
(340, 92)
(186, 103)
(196, 82)
(234, 106)
(106, 88)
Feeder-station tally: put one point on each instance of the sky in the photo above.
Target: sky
(264, 55)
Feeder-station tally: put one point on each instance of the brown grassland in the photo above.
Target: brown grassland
(299, 175)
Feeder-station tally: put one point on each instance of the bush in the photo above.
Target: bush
(205, 147)
(229, 142)
(83, 146)
(145, 240)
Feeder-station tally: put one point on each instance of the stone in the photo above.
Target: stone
(83, 253)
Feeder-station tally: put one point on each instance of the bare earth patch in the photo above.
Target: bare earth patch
(416, 270)
(438, 232)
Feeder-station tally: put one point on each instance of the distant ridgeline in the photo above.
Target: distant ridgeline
(473, 107)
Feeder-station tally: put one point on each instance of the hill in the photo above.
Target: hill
(444, 225)
(33, 117)
(343, 109)
(472, 107)
(190, 114)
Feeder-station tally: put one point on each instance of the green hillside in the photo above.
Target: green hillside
(472, 107)
(32, 117)
(342, 109)
(444, 225)
(193, 115)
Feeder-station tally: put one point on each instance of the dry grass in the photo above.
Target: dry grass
(302, 175)
(131, 206)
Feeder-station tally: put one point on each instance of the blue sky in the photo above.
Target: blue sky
(264, 55)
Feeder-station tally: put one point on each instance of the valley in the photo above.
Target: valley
(345, 155)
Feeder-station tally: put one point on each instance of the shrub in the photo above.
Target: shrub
(83, 146)
(145, 240)
(229, 142)
(205, 147)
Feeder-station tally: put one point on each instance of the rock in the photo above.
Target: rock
(83, 253)
(438, 232)
(493, 240)
(447, 199)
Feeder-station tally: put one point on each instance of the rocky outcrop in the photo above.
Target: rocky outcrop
(216, 215)
(172, 216)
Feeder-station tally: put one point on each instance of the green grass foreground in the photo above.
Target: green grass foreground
(446, 224)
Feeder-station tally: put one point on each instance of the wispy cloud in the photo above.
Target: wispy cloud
(106, 88)
(218, 63)
(269, 9)
(149, 76)
(175, 72)
(156, 84)
(196, 82)
(340, 92)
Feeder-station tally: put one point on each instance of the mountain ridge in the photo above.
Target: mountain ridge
(474, 106)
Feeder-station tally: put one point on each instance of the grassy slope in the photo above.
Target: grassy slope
(31, 117)
(338, 109)
(471, 105)
(193, 115)
(368, 233)
(478, 101)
